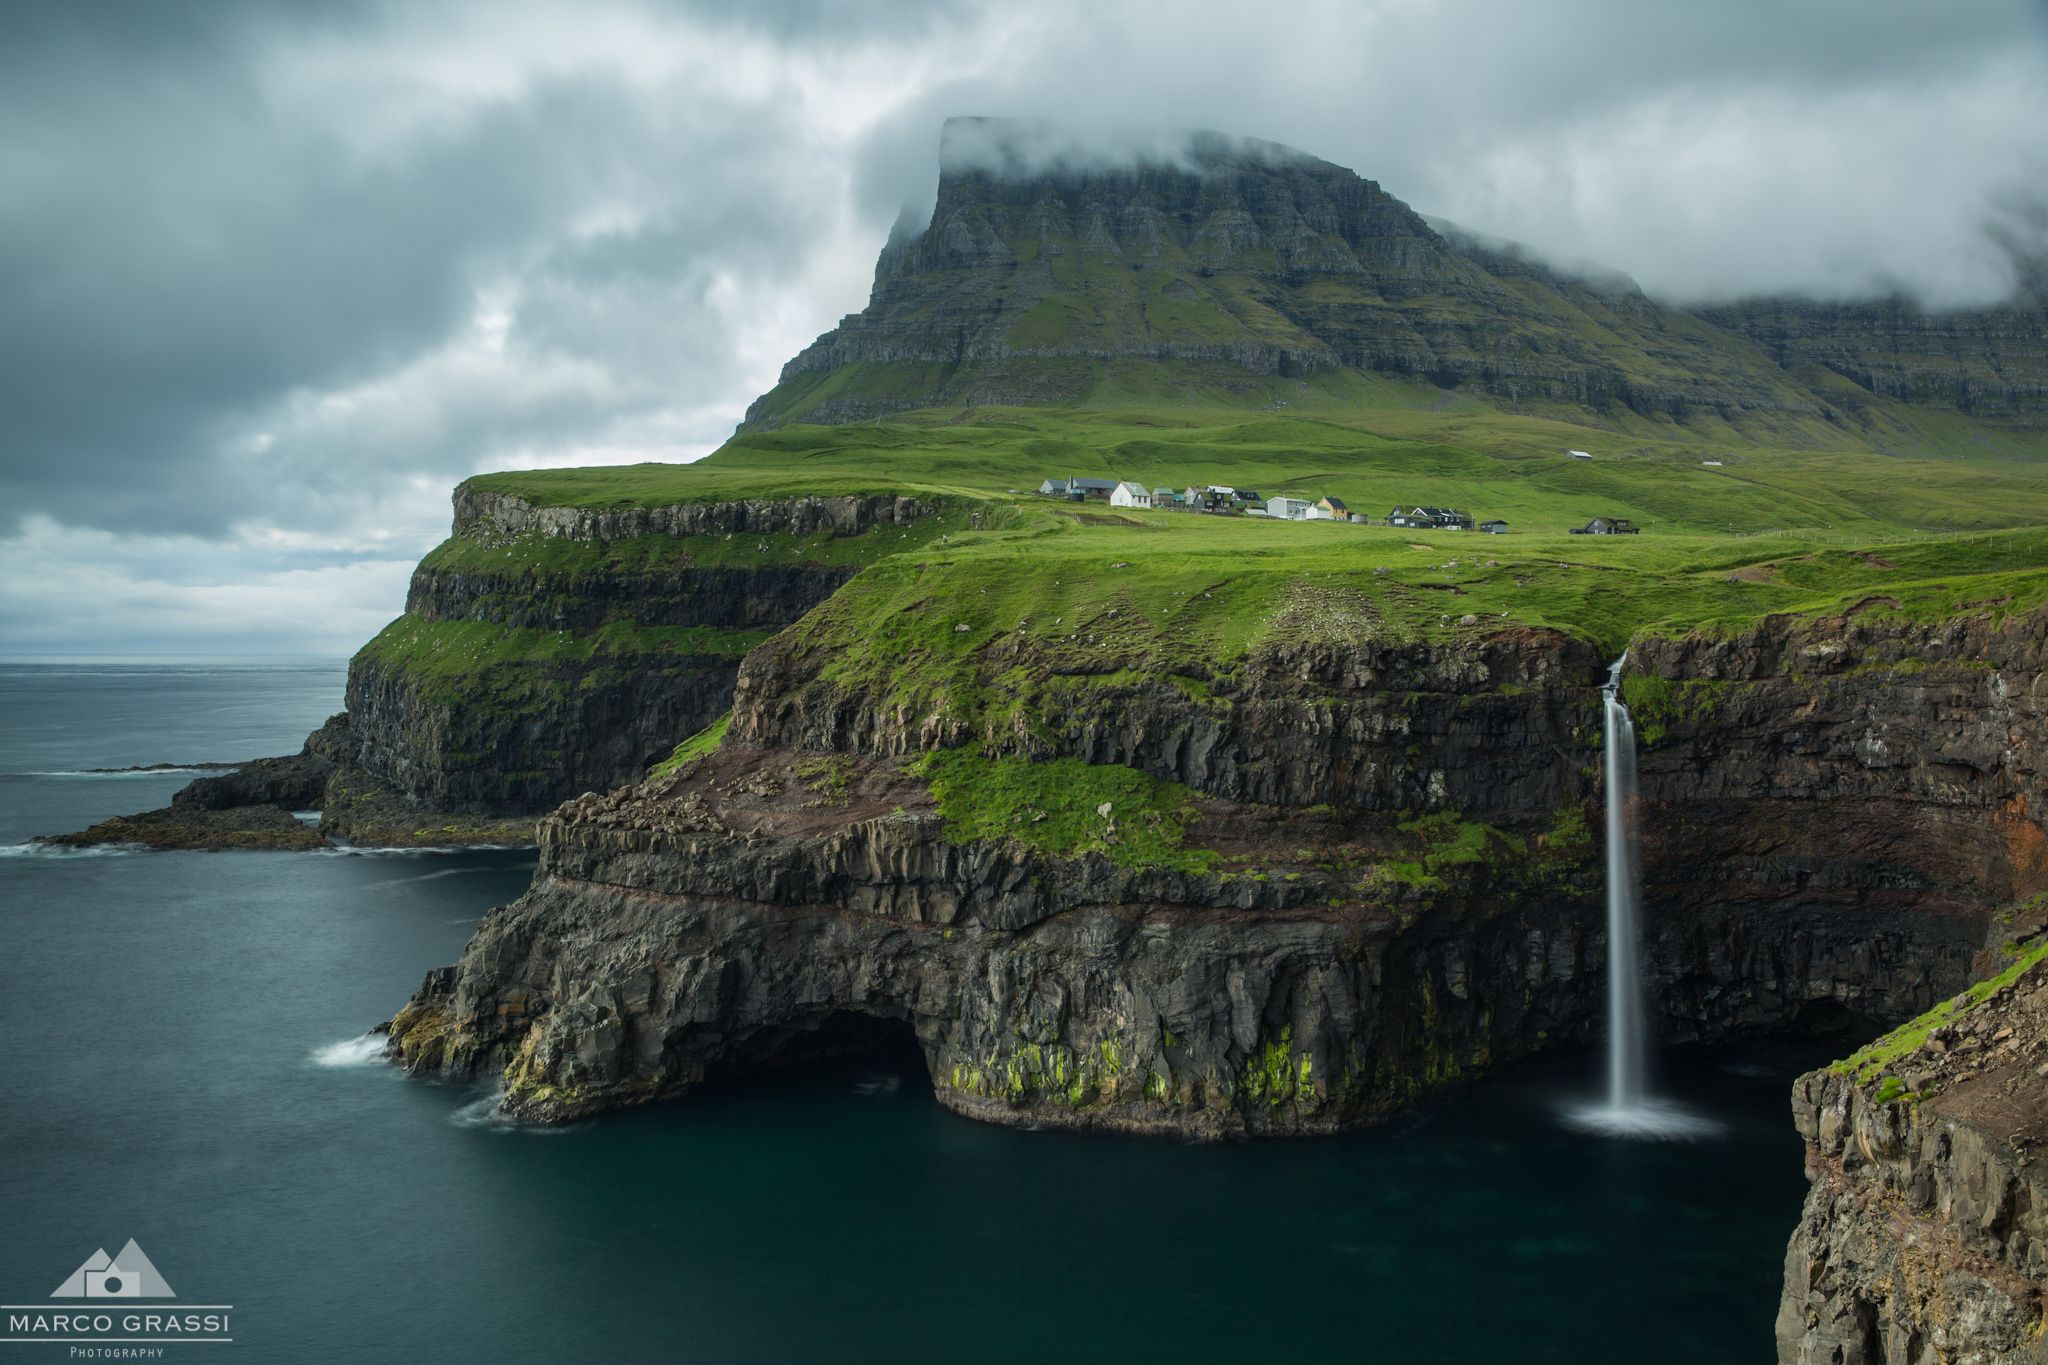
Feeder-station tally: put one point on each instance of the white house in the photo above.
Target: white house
(1580, 454)
(1292, 509)
(1128, 494)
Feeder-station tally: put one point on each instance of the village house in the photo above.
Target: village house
(1128, 494)
(1290, 509)
(1494, 528)
(1078, 489)
(1607, 526)
(1429, 519)
(1165, 497)
(1580, 454)
(1329, 509)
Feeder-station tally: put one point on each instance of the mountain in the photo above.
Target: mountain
(1229, 264)
(1990, 364)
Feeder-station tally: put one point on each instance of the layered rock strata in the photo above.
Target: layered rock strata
(1314, 976)
(1925, 1232)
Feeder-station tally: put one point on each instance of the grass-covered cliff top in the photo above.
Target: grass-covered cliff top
(1373, 443)
(1938, 520)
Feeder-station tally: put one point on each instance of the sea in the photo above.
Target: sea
(187, 1065)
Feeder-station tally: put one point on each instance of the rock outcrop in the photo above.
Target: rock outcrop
(1320, 969)
(268, 828)
(250, 806)
(548, 651)
(1925, 1232)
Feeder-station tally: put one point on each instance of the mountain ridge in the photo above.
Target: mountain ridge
(1236, 262)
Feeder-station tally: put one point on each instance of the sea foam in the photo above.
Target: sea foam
(367, 1050)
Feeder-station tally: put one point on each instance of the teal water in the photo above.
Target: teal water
(171, 1023)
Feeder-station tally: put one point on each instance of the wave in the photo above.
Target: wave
(367, 1050)
(484, 1115)
(429, 876)
(33, 850)
(371, 851)
(120, 774)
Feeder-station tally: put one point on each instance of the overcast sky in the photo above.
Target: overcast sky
(273, 278)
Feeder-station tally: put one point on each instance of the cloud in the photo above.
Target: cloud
(66, 591)
(273, 278)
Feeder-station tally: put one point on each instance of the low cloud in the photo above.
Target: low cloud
(272, 279)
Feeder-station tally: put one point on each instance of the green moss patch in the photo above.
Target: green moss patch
(695, 747)
(1065, 807)
(1878, 1058)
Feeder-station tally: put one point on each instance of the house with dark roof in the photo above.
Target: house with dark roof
(1608, 526)
(1329, 509)
(1096, 490)
(1494, 528)
(1430, 519)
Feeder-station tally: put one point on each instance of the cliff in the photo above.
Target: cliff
(1319, 885)
(1925, 1233)
(551, 650)
(1990, 364)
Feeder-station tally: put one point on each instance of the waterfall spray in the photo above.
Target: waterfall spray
(1628, 1109)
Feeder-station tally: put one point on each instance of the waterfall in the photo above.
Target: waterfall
(1628, 1110)
(1624, 910)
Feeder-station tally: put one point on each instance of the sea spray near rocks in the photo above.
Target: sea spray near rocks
(367, 1050)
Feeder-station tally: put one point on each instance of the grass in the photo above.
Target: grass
(1007, 610)
(1878, 1058)
(695, 747)
(1444, 842)
(1025, 622)
(1057, 807)
(1931, 522)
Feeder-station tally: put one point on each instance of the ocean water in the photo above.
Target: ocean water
(185, 1065)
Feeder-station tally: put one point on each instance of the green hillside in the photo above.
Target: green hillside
(1254, 317)
(1768, 530)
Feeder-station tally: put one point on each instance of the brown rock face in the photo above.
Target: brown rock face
(1820, 844)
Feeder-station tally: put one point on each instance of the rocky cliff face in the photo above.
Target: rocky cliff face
(1320, 968)
(531, 667)
(1925, 1233)
(1991, 364)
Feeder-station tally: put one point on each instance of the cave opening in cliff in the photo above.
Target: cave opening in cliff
(873, 1054)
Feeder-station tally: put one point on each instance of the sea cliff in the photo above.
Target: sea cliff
(1329, 881)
